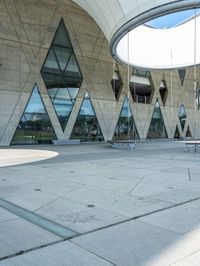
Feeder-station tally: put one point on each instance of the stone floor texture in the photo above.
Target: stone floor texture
(129, 207)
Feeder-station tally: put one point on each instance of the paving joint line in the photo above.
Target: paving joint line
(93, 253)
(21, 252)
(49, 225)
(136, 217)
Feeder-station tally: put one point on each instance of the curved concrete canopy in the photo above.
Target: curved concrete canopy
(111, 15)
(117, 17)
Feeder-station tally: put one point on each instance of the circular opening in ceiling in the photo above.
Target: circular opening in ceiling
(165, 42)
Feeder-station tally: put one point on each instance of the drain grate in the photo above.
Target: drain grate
(34, 218)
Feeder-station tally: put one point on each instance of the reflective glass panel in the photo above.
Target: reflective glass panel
(117, 83)
(126, 128)
(72, 68)
(51, 63)
(73, 93)
(182, 73)
(35, 126)
(87, 127)
(163, 91)
(182, 116)
(177, 133)
(157, 128)
(35, 103)
(62, 37)
(188, 133)
(62, 75)
(63, 55)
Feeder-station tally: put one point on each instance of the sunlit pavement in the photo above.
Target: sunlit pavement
(10, 157)
(126, 207)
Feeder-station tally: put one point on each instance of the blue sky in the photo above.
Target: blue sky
(172, 19)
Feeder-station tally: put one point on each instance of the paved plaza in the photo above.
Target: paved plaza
(91, 205)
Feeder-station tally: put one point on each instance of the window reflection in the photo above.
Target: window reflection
(126, 129)
(157, 128)
(35, 126)
(182, 116)
(61, 74)
(177, 133)
(87, 127)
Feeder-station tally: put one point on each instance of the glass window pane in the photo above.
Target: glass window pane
(35, 104)
(157, 128)
(73, 92)
(182, 116)
(126, 128)
(63, 55)
(72, 67)
(35, 126)
(86, 108)
(87, 127)
(62, 85)
(52, 92)
(62, 37)
(51, 62)
(63, 94)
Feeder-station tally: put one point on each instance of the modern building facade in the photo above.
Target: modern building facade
(58, 80)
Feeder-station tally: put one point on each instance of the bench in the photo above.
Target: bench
(66, 141)
(192, 143)
(123, 145)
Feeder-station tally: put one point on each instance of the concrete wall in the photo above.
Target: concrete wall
(27, 28)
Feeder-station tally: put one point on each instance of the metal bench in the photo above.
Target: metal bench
(193, 144)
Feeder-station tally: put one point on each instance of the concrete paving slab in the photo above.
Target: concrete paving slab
(113, 181)
(11, 189)
(62, 254)
(194, 204)
(6, 215)
(191, 260)
(176, 195)
(32, 201)
(138, 243)
(20, 235)
(81, 221)
(125, 205)
(60, 207)
(181, 219)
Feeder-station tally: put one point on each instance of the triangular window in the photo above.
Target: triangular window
(182, 116)
(87, 127)
(62, 75)
(177, 133)
(163, 91)
(35, 126)
(188, 133)
(182, 73)
(157, 129)
(117, 83)
(126, 128)
(198, 95)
